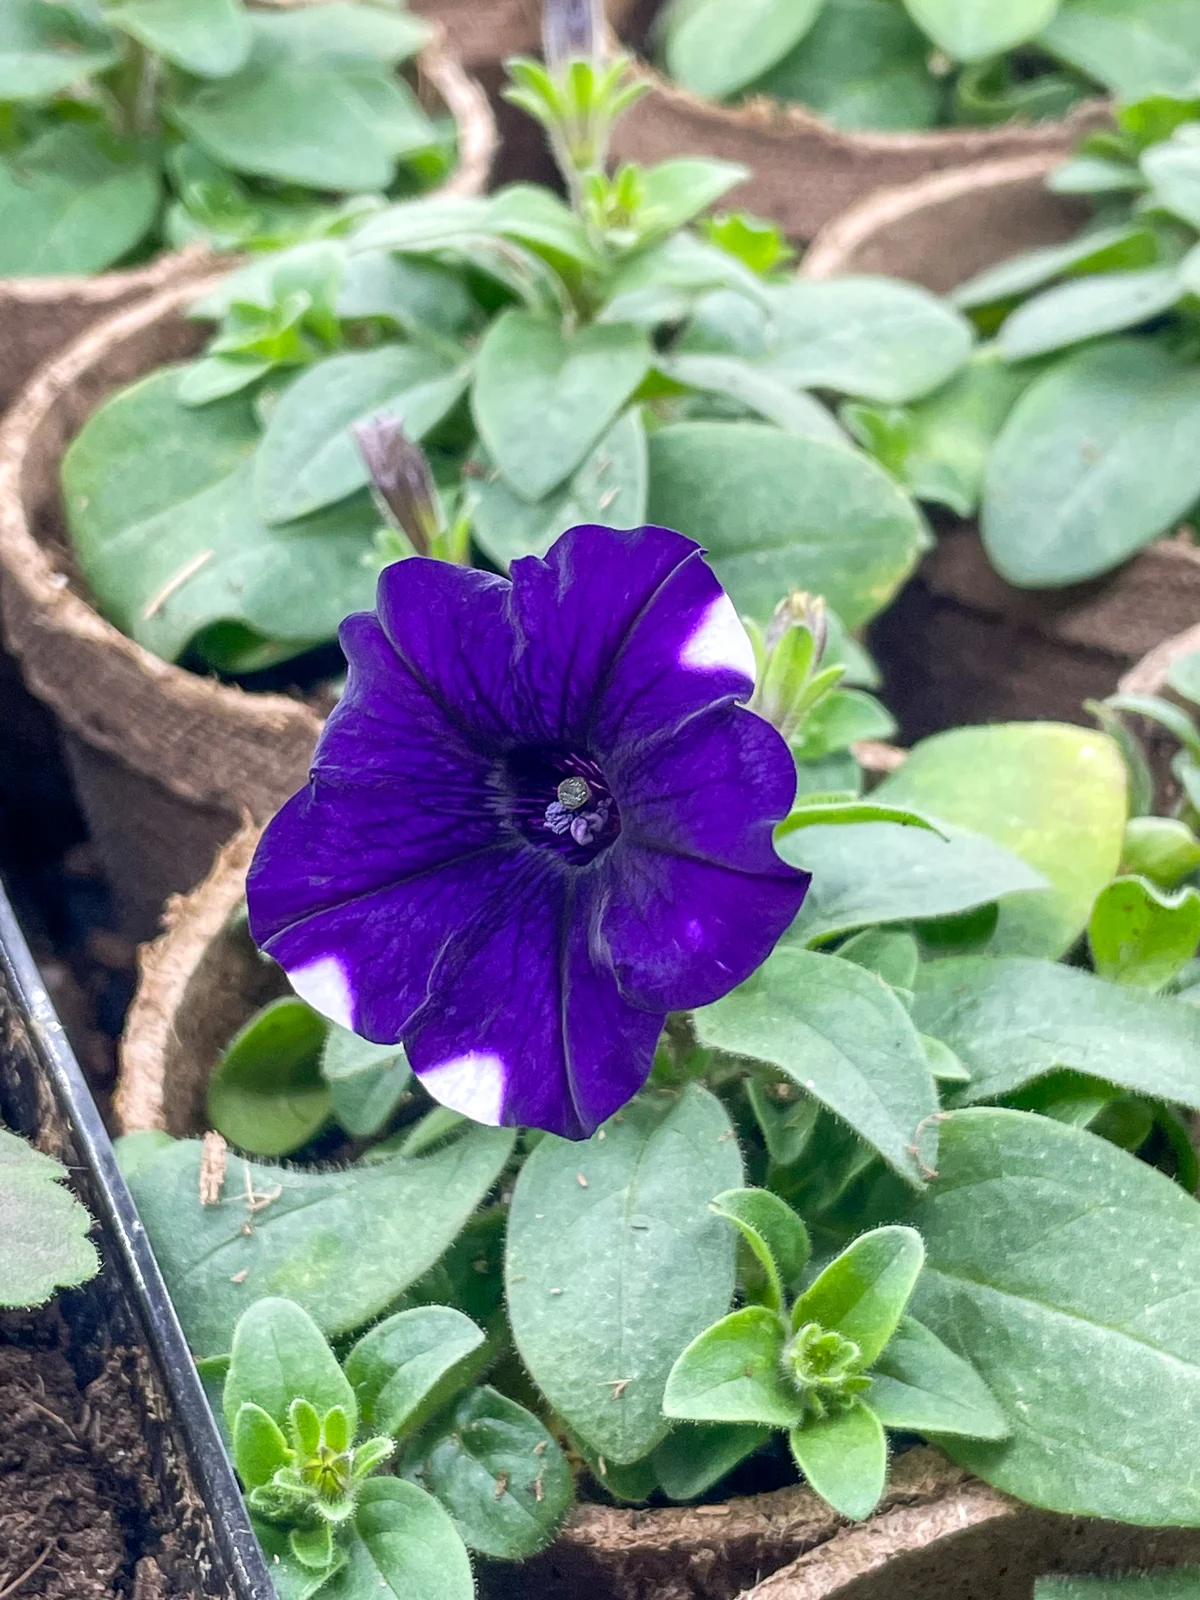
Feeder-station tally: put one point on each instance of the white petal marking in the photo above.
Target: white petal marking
(472, 1084)
(326, 986)
(719, 641)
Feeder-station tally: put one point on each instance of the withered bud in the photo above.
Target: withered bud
(401, 481)
(800, 610)
(570, 29)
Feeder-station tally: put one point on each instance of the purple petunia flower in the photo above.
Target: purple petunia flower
(538, 821)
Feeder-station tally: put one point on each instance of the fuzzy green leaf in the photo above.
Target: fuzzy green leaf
(609, 1278)
(43, 1228)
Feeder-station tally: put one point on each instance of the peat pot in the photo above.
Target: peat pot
(804, 171)
(938, 1535)
(115, 1480)
(165, 762)
(960, 644)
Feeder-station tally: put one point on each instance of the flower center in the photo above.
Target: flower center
(558, 800)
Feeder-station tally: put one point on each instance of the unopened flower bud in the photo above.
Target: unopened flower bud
(791, 682)
(570, 31)
(800, 610)
(401, 481)
(825, 1368)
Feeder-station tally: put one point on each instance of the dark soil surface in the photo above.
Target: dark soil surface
(81, 1515)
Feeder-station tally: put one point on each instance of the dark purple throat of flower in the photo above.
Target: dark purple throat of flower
(540, 818)
(558, 800)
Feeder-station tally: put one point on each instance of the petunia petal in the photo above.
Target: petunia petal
(686, 651)
(365, 961)
(714, 790)
(680, 933)
(453, 629)
(577, 608)
(522, 1028)
(395, 792)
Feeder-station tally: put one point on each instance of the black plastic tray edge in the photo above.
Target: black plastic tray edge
(237, 1549)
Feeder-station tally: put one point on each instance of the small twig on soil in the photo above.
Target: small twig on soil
(12, 1586)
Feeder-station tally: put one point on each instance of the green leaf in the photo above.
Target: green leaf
(402, 1544)
(259, 1446)
(1118, 247)
(890, 953)
(208, 37)
(47, 49)
(1087, 307)
(792, 410)
(542, 401)
(1133, 47)
(346, 1055)
(313, 1547)
(786, 1117)
(74, 200)
(609, 488)
(861, 65)
(938, 448)
(536, 217)
(715, 48)
(1065, 1271)
(42, 1225)
(1183, 675)
(840, 1034)
(1173, 169)
(266, 1093)
(844, 1458)
(317, 102)
(732, 1372)
(306, 1231)
(1092, 463)
(943, 1063)
(289, 1578)
(696, 1455)
(173, 553)
(280, 1355)
(1095, 175)
(813, 813)
(308, 457)
(1176, 1585)
(971, 30)
(674, 192)
(918, 1385)
(663, 283)
(363, 1103)
(778, 512)
(862, 1293)
(609, 1279)
(1163, 849)
(499, 1474)
(873, 338)
(882, 872)
(409, 1366)
(1051, 793)
(774, 1233)
(1141, 936)
(1015, 1019)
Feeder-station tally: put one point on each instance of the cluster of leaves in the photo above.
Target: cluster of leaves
(610, 359)
(307, 1432)
(931, 1127)
(43, 1228)
(900, 64)
(1068, 430)
(129, 124)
